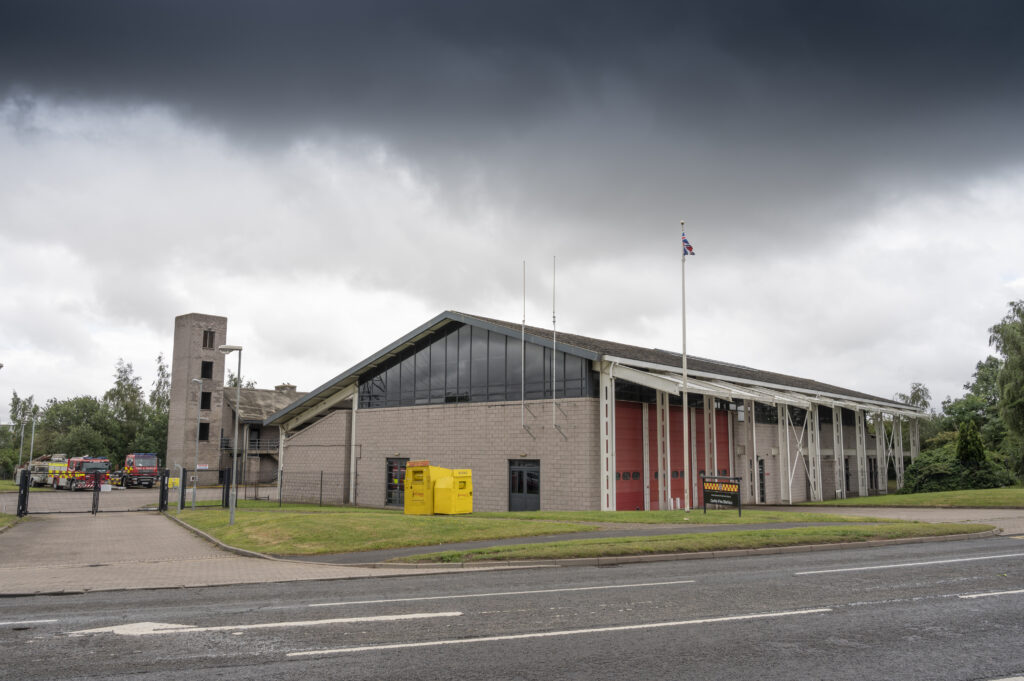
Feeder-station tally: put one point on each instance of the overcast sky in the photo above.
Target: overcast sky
(331, 175)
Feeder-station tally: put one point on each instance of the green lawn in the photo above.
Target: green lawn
(342, 530)
(1003, 497)
(697, 517)
(7, 519)
(690, 543)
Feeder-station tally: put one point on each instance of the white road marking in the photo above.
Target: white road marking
(548, 634)
(902, 565)
(501, 593)
(151, 628)
(993, 593)
(4, 624)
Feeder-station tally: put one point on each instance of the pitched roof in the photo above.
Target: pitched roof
(258, 404)
(694, 365)
(582, 346)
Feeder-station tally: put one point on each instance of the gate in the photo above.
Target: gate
(92, 496)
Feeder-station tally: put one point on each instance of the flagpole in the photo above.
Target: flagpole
(686, 397)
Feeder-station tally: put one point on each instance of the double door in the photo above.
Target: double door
(524, 485)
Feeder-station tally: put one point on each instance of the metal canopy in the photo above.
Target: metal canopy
(672, 382)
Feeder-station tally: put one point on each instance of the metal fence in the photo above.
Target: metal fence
(314, 487)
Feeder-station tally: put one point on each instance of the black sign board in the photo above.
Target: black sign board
(721, 490)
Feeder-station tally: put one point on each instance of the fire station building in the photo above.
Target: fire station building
(568, 422)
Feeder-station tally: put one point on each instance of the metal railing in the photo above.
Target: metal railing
(261, 446)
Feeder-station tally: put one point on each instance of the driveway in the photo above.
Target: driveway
(71, 553)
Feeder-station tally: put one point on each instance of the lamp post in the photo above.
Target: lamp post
(227, 350)
(195, 472)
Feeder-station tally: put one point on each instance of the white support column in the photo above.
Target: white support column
(352, 448)
(710, 441)
(607, 416)
(784, 467)
(645, 441)
(664, 453)
(814, 453)
(897, 434)
(748, 406)
(881, 448)
(862, 454)
(915, 439)
(839, 451)
(691, 414)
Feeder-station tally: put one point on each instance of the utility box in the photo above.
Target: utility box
(433, 489)
(453, 494)
(419, 487)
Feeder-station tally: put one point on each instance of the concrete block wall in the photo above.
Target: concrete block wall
(322, 448)
(484, 437)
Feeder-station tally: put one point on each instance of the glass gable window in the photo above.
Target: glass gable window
(470, 364)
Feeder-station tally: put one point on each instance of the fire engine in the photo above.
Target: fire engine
(139, 470)
(81, 471)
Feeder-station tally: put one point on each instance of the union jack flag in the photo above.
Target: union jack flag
(687, 248)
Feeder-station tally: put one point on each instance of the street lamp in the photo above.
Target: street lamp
(195, 473)
(227, 350)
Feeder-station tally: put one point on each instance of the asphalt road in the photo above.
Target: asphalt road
(950, 610)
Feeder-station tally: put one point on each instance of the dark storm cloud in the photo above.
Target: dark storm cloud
(748, 114)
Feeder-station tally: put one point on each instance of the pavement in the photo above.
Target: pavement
(78, 552)
(74, 553)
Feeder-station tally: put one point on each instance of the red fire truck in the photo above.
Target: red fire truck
(81, 471)
(139, 470)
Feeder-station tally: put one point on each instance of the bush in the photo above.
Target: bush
(940, 470)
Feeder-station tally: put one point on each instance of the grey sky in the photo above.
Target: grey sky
(330, 175)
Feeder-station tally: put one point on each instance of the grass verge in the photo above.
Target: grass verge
(720, 517)
(692, 543)
(1003, 497)
(7, 519)
(345, 530)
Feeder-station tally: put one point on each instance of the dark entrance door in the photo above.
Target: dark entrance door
(524, 485)
(396, 482)
(760, 481)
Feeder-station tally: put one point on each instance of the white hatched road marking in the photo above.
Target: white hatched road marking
(567, 632)
(902, 565)
(502, 593)
(994, 593)
(151, 628)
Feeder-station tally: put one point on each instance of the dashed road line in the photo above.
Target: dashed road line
(503, 593)
(550, 634)
(903, 565)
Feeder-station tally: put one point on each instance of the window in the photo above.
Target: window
(209, 339)
(206, 370)
(204, 400)
(471, 364)
(204, 431)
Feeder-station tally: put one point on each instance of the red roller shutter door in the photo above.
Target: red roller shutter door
(722, 436)
(629, 457)
(679, 452)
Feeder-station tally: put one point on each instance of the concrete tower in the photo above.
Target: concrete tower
(195, 356)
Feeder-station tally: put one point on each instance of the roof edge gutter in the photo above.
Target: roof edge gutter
(917, 411)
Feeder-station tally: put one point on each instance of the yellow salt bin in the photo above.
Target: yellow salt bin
(453, 493)
(419, 487)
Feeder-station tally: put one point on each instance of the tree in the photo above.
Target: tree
(919, 396)
(969, 450)
(1008, 338)
(160, 396)
(232, 381)
(23, 410)
(128, 408)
